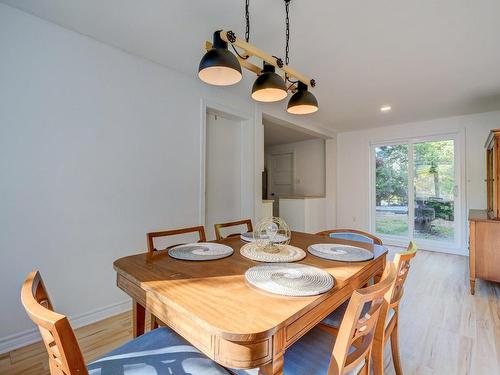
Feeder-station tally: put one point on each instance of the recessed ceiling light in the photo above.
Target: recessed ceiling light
(385, 108)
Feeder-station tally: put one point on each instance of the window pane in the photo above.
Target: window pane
(391, 191)
(434, 190)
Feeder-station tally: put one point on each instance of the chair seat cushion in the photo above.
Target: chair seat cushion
(352, 237)
(310, 355)
(161, 351)
(335, 318)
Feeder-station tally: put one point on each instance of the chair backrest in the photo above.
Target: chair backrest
(173, 232)
(218, 227)
(352, 235)
(65, 356)
(358, 326)
(393, 297)
(402, 264)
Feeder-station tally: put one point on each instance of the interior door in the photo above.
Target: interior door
(223, 187)
(281, 178)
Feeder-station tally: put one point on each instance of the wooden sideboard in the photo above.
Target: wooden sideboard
(484, 240)
(484, 247)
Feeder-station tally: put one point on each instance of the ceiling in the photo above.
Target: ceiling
(427, 59)
(279, 134)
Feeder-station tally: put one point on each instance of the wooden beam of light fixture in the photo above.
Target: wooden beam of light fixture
(251, 67)
(250, 50)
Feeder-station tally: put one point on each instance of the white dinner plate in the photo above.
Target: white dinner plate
(200, 251)
(340, 253)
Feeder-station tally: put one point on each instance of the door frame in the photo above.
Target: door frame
(459, 245)
(247, 156)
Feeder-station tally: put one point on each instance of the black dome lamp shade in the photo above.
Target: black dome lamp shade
(302, 102)
(219, 66)
(269, 86)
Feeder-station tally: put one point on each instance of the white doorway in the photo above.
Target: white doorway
(294, 163)
(228, 173)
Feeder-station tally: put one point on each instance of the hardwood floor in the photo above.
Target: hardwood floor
(443, 329)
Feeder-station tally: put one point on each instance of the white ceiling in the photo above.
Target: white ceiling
(427, 59)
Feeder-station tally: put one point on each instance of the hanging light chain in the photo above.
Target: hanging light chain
(287, 32)
(247, 19)
(247, 30)
(287, 43)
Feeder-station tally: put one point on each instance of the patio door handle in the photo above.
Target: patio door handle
(455, 191)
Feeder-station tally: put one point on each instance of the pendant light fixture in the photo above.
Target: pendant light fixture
(269, 86)
(221, 67)
(302, 102)
(218, 66)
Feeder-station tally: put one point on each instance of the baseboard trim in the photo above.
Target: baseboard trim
(18, 340)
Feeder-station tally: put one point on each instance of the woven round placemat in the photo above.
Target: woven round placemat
(340, 253)
(290, 279)
(200, 251)
(278, 253)
(249, 237)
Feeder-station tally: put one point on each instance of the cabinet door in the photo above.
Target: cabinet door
(495, 174)
(488, 251)
(489, 178)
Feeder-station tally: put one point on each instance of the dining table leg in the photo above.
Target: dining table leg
(273, 368)
(138, 318)
(276, 366)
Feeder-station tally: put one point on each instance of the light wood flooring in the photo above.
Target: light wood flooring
(443, 329)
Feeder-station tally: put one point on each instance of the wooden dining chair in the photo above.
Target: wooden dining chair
(349, 352)
(154, 322)
(174, 232)
(352, 235)
(218, 227)
(161, 351)
(387, 327)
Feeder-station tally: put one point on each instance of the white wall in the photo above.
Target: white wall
(353, 159)
(309, 165)
(97, 147)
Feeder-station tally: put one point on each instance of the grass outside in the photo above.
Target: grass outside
(397, 225)
(391, 223)
(440, 230)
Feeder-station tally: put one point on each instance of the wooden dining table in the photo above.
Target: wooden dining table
(212, 306)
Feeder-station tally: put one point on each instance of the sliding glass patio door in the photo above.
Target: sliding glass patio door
(415, 191)
(391, 190)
